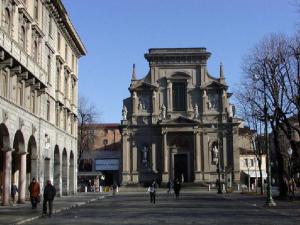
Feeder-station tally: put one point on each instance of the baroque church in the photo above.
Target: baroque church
(178, 122)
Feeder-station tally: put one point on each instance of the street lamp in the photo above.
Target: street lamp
(290, 153)
(270, 202)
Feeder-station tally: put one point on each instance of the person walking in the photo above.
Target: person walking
(34, 190)
(170, 185)
(13, 192)
(49, 194)
(152, 191)
(177, 187)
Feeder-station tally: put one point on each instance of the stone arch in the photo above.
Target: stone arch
(18, 173)
(65, 171)
(72, 174)
(5, 163)
(57, 170)
(31, 160)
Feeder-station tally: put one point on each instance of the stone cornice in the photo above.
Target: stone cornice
(177, 56)
(61, 17)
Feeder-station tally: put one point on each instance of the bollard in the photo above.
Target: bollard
(223, 187)
(85, 188)
(238, 187)
(208, 187)
(117, 189)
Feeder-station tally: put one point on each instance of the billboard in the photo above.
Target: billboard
(107, 164)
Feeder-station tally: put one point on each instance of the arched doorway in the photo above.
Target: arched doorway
(71, 174)
(18, 172)
(5, 164)
(65, 172)
(31, 161)
(57, 171)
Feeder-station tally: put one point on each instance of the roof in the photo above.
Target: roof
(104, 125)
(69, 26)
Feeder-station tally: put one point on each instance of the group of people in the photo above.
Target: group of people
(171, 185)
(34, 190)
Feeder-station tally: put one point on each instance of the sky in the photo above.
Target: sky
(117, 33)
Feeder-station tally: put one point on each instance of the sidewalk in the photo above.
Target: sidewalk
(22, 213)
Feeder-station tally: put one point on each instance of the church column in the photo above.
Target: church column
(126, 158)
(166, 158)
(224, 101)
(154, 155)
(169, 96)
(6, 175)
(135, 176)
(22, 178)
(206, 151)
(198, 174)
(204, 102)
(134, 103)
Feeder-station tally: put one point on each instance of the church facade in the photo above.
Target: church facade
(178, 122)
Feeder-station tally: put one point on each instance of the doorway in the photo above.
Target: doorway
(181, 167)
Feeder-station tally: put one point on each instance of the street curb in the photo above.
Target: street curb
(76, 205)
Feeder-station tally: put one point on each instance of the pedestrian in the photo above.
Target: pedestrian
(152, 191)
(102, 183)
(114, 188)
(13, 192)
(34, 190)
(170, 185)
(292, 187)
(177, 187)
(49, 194)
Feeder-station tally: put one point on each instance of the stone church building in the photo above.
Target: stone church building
(178, 122)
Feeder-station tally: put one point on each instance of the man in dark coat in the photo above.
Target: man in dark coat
(177, 187)
(49, 194)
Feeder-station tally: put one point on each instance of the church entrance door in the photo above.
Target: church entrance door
(181, 167)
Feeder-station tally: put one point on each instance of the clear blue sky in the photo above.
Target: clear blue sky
(117, 33)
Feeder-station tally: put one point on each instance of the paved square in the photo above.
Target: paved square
(191, 208)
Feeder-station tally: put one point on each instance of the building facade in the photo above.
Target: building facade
(102, 158)
(39, 52)
(178, 122)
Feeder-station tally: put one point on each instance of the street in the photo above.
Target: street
(191, 208)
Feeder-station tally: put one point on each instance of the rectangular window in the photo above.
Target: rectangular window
(66, 53)
(246, 162)
(66, 84)
(4, 83)
(58, 41)
(50, 26)
(57, 117)
(32, 102)
(49, 65)
(36, 9)
(252, 162)
(20, 93)
(72, 125)
(179, 96)
(73, 62)
(65, 120)
(48, 110)
(73, 92)
(58, 69)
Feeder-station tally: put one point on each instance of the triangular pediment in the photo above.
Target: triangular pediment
(214, 84)
(182, 120)
(143, 86)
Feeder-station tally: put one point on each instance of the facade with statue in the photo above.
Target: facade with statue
(178, 122)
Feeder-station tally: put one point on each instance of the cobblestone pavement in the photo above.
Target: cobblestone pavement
(191, 208)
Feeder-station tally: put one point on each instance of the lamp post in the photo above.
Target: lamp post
(219, 175)
(290, 153)
(269, 202)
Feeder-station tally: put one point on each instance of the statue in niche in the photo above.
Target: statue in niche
(143, 103)
(196, 111)
(163, 112)
(213, 102)
(145, 155)
(124, 112)
(215, 154)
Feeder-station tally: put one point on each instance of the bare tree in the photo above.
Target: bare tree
(87, 115)
(268, 85)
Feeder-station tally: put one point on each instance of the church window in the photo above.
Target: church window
(179, 96)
